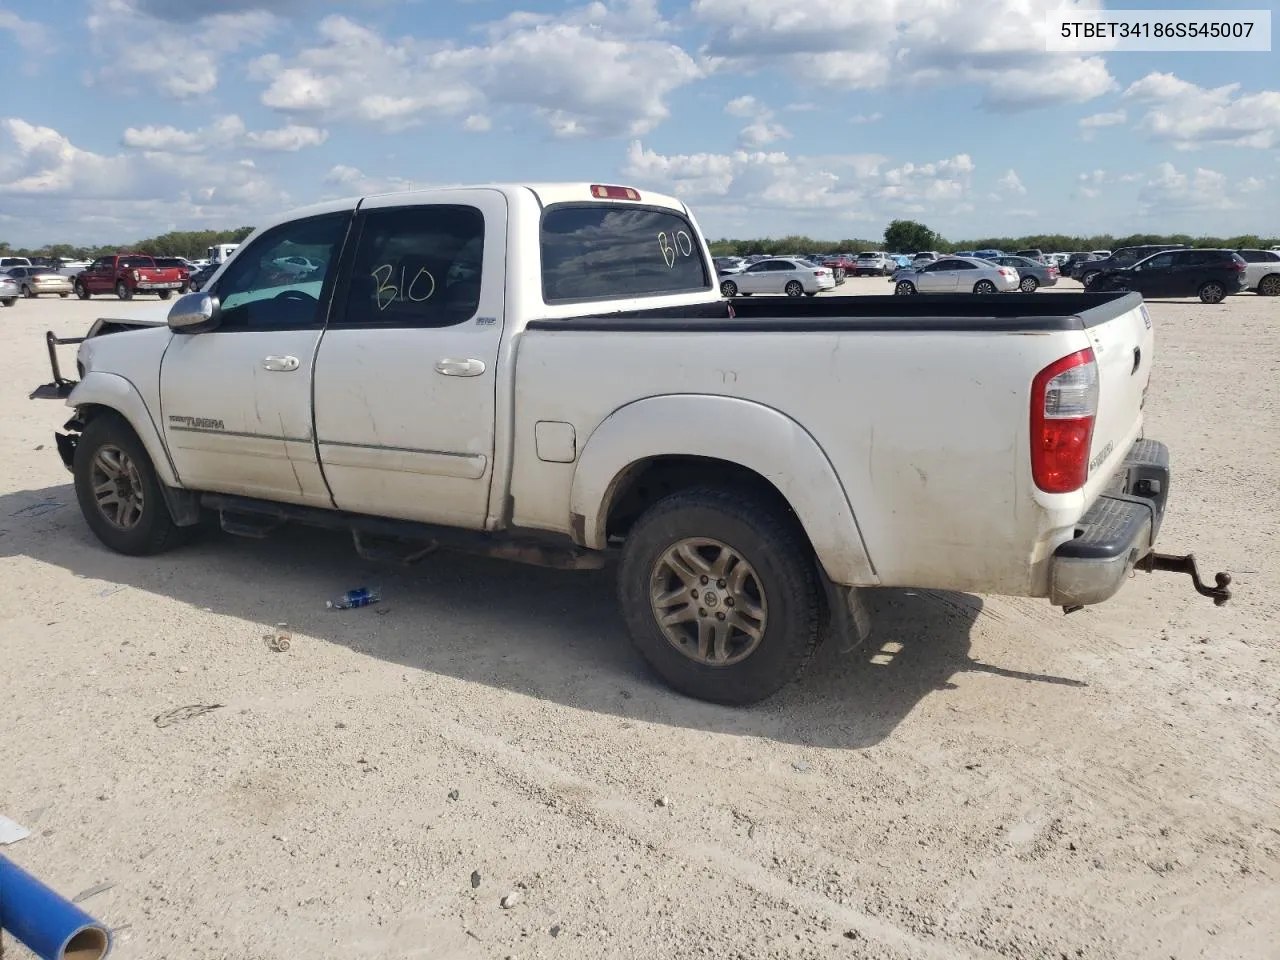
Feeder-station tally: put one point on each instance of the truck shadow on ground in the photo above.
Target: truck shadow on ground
(542, 633)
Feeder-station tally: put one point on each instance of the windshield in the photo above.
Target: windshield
(612, 252)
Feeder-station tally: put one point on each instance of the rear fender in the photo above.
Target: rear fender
(743, 432)
(114, 392)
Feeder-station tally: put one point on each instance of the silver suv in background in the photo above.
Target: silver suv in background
(1262, 271)
(873, 264)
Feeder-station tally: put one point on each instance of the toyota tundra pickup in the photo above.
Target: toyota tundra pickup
(548, 373)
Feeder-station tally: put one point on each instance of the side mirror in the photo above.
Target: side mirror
(194, 312)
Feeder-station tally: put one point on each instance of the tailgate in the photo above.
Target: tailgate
(1124, 350)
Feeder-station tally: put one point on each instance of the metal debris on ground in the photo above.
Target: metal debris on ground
(360, 597)
(93, 891)
(178, 714)
(280, 638)
(11, 831)
(108, 591)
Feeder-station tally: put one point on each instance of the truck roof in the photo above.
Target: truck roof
(545, 193)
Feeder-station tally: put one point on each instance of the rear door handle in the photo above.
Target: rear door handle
(280, 364)
(460, 368)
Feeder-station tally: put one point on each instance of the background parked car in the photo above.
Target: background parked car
(181, 265)
(1032, 254)
(8, 290)
(34, 281)
(6, 262)
(925, 256)
(201, 276)
(1262, 271)
(1211, 275)
(873, 263)
(1121, 258)
(790, 275)
(727, 265)
(955, 275)
(1032, 274)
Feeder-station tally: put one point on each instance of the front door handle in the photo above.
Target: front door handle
(460, 368)
(280, 364)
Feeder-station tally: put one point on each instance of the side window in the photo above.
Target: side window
(760, 267)
(1253, 256)
(262, 290)
(781, 266)
(963, 265)
(416, 266)
(1161, 262)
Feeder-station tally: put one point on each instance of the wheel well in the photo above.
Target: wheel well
(648, 481)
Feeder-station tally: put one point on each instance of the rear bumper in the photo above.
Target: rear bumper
(1117, 532)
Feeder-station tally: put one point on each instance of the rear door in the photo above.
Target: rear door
(405, 378)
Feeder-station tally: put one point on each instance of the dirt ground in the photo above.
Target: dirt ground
(988, 779)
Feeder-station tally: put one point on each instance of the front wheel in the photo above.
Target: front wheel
(118, 490)
(1213, 292)
(9, 301)
(1028, 284)
(29, 293)
(728, 289)
(904, 288)
(123, 291)
(1088, 278)
(720, 593)
(793, 289)
(984, 286)
(82, 291)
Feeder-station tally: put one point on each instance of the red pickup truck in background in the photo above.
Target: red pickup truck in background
(126, 275)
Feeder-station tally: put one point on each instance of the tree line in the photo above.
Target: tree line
(192, 244)
(909, 236)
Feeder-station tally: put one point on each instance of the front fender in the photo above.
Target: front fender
(743, 432)
(114, 392)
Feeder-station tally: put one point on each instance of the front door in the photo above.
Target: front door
(406, 374)
(937, 277)
(99, 276)
(1154, 276)
(752, 279)
(236, 401)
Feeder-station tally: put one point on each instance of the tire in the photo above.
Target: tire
(164, 294)
(1212, 292)
(1269, 286)
(184, 289)
(984, 286)
(123, 291)
(793, 288)
(28, 293)
(1088, 277)
(152, 530)
(782, 583)
(728, 289)
(1028, 284)
(904, 288)
(63, 296)
(9, 301)
(82, 291)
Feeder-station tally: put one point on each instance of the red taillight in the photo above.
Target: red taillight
(819, 273)
(614, 193)
(1239, 266)
(1064, 403)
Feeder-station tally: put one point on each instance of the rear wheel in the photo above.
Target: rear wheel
(164, 294)
(9, 301)
(29, 293)
(904, 288)
(118, 490)
(64, 295)
(1213, 292)
(1089, 277)
(82, 291)
(721, 595)
(1270, 285)
(728, 289)
(793, 288)
(1028, 284)
(984, 286)
(123, 291)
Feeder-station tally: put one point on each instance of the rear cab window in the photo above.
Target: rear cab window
(594, 251)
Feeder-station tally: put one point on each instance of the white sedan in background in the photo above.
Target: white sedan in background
(955, 275)
(794, 277)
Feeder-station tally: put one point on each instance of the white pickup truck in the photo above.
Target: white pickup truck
(548, 373)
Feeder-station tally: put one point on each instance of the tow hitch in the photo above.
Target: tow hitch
(1173, 564)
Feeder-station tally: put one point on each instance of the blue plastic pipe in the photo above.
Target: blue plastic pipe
(51, 927)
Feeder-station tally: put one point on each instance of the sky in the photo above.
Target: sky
(123, 119)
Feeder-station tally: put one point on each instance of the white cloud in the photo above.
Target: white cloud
(744, 106)
(1189, 116)
(762, 132)
(1169, 190)
(866, 117)
(224, 133)
(806, 188)
(46, 178)
(994, 43)
(1011, 183)
(175, 60)
(354, 181)
(30, 35)
(1090, 125)
(576, 74)
(477, 123)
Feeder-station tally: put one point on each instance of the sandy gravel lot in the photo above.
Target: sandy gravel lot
(1010, 783)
